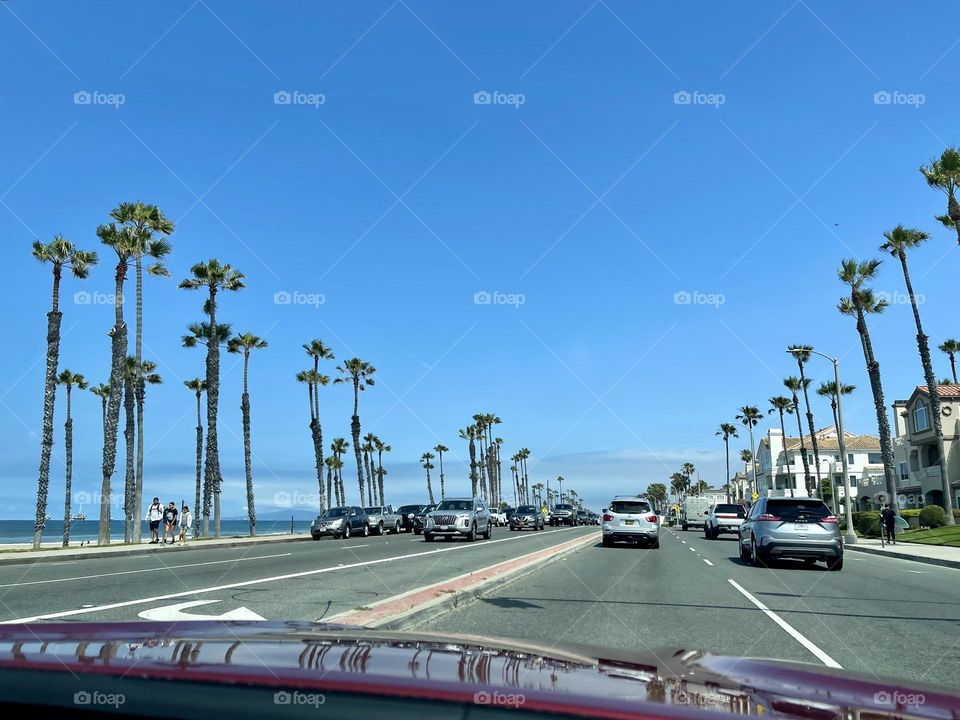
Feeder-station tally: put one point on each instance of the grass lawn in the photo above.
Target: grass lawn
(941, 536)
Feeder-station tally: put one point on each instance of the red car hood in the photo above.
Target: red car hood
(569, 679)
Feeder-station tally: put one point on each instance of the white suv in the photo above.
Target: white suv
(723, 517)
(630, 518)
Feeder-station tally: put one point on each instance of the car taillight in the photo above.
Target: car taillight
(650, 518)
(831, 519)
(607, 517)
(767, 516)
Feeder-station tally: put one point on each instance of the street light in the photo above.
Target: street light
(851, 537)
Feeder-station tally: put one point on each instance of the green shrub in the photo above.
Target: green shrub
(933, 516)
(910, 512)
(867, 523)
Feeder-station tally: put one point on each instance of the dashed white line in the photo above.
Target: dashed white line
(788, 628)
(708, 562)
(693, 549)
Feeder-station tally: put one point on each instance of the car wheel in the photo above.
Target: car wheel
(607, 542)
(397, 529)
(835, 565)
(756, 557)
(346, 532)
(366, 531)
(315, 537)
(417, 531)
(428, 537)
(489, 532)
(472, 535)
(379, 530)
(744, 554)
(655, 545)
(684, 527)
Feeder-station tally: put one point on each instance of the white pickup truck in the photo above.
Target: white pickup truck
(498, 516)
(382, 519)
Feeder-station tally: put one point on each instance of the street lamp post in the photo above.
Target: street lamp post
(851, 537)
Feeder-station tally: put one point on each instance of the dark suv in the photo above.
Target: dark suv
(420, 518)
(801, 528)
(408, 514)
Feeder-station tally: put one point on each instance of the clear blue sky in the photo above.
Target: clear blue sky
(598, 199)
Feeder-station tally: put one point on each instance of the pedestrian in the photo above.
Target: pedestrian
(888, 516)
(154, 516)
(186, 521)
(170, 523)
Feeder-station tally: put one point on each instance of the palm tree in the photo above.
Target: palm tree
(514, 475)
(102, 391)
(358, 373)
(860, 303)
(951, 348)
(802, 355)
(441, 449)
(428, 466)
(330, 461)
(213, 277)
(245, 343)
(538, 493)
(381, 449)
(69, 380)
(746, 457)
(198, 386)
(469, 433)
(60, 253)
(898, 241)
(498, 442)
(135, 379)
(727, 430)
(678, 483)
(368, 446)
(338, 447)
(795, 386)
(943, 174)
(829, 389)
(524, 456)
(781, 404)
(148, 228)
(318, 351)
(749, 417)
(199, 334)
(688, 470)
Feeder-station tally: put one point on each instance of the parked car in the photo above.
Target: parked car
(381, 519)
(583, 517)
(724, 518)
(421, 518)
(802, 528)
(594, 518)
(632, 519)
(508, 513)
(498, 516)
(527, 516)
(563, 514)
(458, 517)
(407, 514)
(340, 522)
(693, 512)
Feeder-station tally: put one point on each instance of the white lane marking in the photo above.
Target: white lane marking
(919, 572)
(143, 570)
(170, 613)
(692, 549)
(352, 547)
(274, 578)
(788, 628)
(708, 562)
(684, 542)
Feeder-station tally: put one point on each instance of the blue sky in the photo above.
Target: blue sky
(389, 189)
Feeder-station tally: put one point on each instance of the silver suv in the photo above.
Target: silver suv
(458, 517)
(802, 528)
(630, 518)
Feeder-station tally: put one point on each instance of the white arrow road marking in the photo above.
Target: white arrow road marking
(175, 612)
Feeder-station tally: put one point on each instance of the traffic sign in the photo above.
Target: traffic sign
(755, 496)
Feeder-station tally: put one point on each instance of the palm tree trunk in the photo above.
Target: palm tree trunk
(783, 432)
(726, 445)
(355, 430)
(953, 210)
(130, 483)
(833, 485)
(429, 486)
(118, 354)
(803, 449)
(380, 473)
(212, 469)
(473, 468)
(329, 483)
(442, 493)
(247, 466)
(196, 501)
(369, 472)
(49, 399)
(953, 368)
(138, 353)
(68, 447)
(526, 482)
(813, 433)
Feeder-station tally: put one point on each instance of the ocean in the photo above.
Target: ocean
(21, 531)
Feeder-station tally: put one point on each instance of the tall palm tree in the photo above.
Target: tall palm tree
(69, 380)
(829, 389)
(781, 404)
(538, 493)
(860, 303)
(795, 386)
(129, 432)
(381, 449)
(428, 466)
(199, 334)
(245, 343)
(359, 374)
(480, 428)
(951, 347)
(146, 371)
(943, 174)
(102, 391)
(441, 449)
(728, 430)
(749, 417)
(898, 241)
(678, 483)
(368, 447)
(60, 253)
(469, 433)
(198, 387)
(802, 355)
(329, 461)
(746, 457)
(688, 470)
(513, 474)
(214, 278)
(338, 447)
(490, 420)
(318, 351)
(498, 442)
(524, 456)
(148, 229)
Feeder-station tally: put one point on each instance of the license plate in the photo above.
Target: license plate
(629, 522)
(801, 526)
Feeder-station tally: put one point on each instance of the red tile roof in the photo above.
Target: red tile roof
(950, 391)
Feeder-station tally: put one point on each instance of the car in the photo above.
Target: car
(508, 512)
(498, 516)
(693, 512)
(724, 518)
(420, 518)
(382, 519)
(458, 517)
(631, 519)
(340, 522)
(527, 516)
(800, 528)
(563, 514)
(583, 517)
(407, 514)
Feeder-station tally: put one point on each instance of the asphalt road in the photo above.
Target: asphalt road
(881, 616)
(276, 581)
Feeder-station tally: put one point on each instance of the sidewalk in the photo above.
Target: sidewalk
(12, 555)
(930, 554)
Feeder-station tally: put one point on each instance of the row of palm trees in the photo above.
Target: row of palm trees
(860, 302)
(681, 484)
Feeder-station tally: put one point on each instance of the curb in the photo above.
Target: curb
(409, 617)
(900, 556)
(24, 557)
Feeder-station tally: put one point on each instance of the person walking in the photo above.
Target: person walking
(170, 523)
(186, 522)
(154, 516)
(889, 518)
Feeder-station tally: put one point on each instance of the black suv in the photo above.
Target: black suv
(420, 518)
(408, 514)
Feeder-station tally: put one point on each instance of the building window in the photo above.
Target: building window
(874, 458)
(921, 418)
(836, 458)
(849, 458)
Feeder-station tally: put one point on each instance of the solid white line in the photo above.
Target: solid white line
(142, 570)
(351, 547)
(790, 630)
(275, 578)
(708, 562)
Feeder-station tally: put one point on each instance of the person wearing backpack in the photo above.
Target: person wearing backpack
(154, 516)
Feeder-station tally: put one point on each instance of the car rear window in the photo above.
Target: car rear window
(792, 509)
(738, 509)
(526, 509)
(629, 506)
